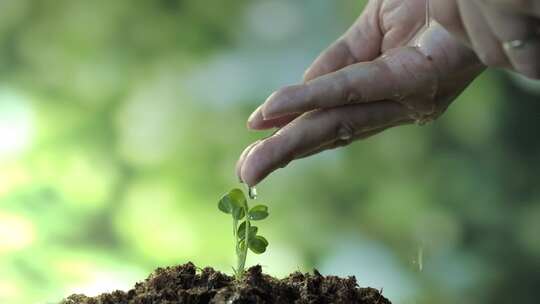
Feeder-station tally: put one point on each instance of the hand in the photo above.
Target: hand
(387, 70)
(503, 33)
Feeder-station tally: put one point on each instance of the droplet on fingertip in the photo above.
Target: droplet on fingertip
(252, 192)
(422, 121)
(345, 135)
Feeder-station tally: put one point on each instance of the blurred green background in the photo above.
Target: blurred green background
(121, 121)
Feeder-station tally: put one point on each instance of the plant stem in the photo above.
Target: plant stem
(236, 242)
(241, 253)
(235, 227)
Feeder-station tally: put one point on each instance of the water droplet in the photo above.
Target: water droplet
(252, 192)
(345, 134)
(345, 137)
(427, 24)
(422, 120)
(420, 258)
(428, 14)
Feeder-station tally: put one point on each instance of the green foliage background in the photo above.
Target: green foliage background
(121, 121)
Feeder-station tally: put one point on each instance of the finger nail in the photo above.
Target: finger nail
(254, 115)
(269, 111)
(306, 75)
(268, 107)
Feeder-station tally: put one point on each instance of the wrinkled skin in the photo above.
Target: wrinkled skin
(387, 70)
(489, 26)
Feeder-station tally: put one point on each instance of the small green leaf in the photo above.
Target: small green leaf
(238, 213)
(242, 245)
(238, 203)
(232, 201)
(237, 196)
(258, 244)
(242, 231)
(225, 205)
(257, 213)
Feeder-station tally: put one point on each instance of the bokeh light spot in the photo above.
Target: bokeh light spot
(16, 124)
(16, 232)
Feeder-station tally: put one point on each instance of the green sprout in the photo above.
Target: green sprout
(245, 234)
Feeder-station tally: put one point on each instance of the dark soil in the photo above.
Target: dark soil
(185, 284)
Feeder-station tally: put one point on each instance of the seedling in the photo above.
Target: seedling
(245, 234)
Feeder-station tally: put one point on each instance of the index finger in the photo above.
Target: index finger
(394, 76)
(316, 130)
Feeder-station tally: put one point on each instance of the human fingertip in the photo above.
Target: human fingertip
(267, 106)
(274, 106)
(241, 160)
(307, 75)
(254, 117)
(253, 167)
(248, 175)
(315, 70)
(238, 169)
(257, 122)
(268, 112)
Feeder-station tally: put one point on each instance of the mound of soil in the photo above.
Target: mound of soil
(184, 284)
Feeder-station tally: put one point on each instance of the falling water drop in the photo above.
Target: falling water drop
(422, 120)
(428, 14)
(345, 134)
(252, 192)
(420, 258)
